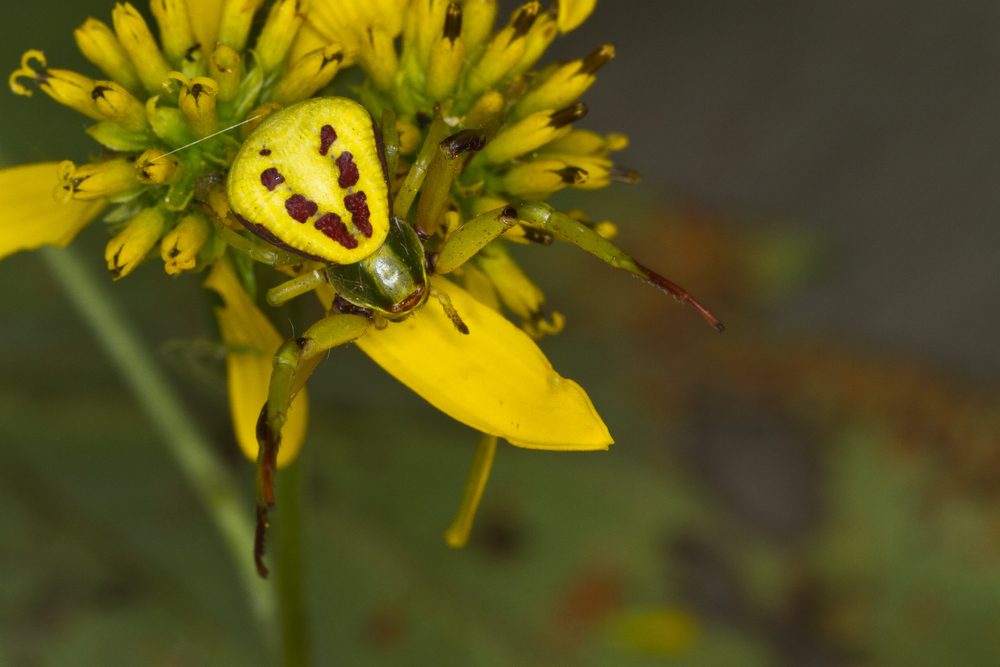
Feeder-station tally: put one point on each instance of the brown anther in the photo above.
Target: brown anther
(525, 18)
(453, 22)
(570, 114)
(597, 59)
(573, 175)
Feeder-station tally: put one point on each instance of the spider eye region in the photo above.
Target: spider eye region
(311, 177)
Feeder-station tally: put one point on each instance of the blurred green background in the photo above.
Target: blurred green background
(816, 487)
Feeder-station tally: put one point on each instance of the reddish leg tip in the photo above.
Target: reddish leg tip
(682, 295)
(259, 543)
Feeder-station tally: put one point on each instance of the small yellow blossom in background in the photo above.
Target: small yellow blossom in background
(459, 138)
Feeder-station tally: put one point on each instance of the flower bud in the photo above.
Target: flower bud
(97, 180)
(447, 57)
(308, 74)
(181, 245)
(504, 51)
(531, 133)
(587, 142)
(478, 17)
(226, 67)
(488, 107)
(574, 12)
(540, 178)
(237, 17)
(156, 167)
(409, 137)
(196, 98)
(521, 296)
(566, 83)
(278, 33)
(176, 34)
(378, 57)
(138, 42)
(536, 41)
(131, 245)
(98, 44)
(115, 103)
(65, 87)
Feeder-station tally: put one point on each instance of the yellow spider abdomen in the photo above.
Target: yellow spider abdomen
(311, 178)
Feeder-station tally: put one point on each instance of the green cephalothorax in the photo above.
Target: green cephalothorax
(392, 280)
(311, 178)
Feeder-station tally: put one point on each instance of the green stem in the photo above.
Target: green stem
(188, 445)
(291, 592)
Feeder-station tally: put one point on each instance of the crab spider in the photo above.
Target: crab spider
(313, 183)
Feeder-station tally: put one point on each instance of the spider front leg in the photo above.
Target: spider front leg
(543, 216)
(293, 364)
(478, 232)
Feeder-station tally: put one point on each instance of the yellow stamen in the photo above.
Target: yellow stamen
(138, 42)
(126, 250)
(98, 43)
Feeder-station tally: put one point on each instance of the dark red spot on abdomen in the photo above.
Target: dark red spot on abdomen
(300, 208)
(271, 178)
(265, 151)
(331, 225)
(348, 170)
(327, 135)
(357, 204)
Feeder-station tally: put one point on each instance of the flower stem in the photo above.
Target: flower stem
(190, 448)
(288, 562)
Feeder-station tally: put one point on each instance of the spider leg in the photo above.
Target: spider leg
(297, 286)
(293, 364)
(462, 244)
(563, 227)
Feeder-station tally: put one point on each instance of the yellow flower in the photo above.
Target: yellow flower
(215, 152)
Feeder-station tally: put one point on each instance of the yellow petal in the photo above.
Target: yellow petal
(205, 17)
(495, 379)
(251, 341)
(574, 12)
(29, 214)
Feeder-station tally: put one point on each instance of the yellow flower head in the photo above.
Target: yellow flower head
(229, 141)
